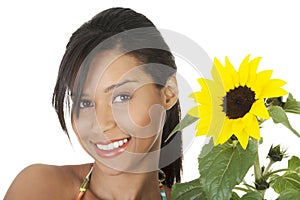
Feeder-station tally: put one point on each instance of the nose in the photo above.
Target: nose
(104, 119)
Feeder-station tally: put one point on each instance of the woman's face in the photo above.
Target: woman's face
(121, 115)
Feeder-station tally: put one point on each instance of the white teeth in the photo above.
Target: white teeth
(113, 145)
(116, 144)
(104, 147)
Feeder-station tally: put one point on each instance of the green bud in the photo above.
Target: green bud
(261, 184)
(276, 154)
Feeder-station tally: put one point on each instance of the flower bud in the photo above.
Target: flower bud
(261, 184)
(275, 154)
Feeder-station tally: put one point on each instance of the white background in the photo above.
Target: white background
(33, 39)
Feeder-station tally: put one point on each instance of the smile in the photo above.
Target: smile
(112, 148)
(112, 145)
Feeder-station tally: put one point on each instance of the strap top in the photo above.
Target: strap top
(86, 181)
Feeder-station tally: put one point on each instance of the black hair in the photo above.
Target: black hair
(112, 23)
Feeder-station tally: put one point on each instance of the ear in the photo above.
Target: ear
(170, 93)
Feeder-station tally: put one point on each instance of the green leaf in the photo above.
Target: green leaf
(186, 121)
(294, 163)
(223, 167)
(252, 196)
(290, 179)
(279, 116)
(206, 148)
(290, 195)
(188, 190)
(286, 181)
(292, 105)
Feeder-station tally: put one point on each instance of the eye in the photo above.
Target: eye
(86, 104)
(121, 98)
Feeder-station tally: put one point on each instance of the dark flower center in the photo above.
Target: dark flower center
(238, 102)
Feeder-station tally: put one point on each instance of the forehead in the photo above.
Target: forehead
(111, 67)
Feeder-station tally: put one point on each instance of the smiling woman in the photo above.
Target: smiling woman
(117, 77)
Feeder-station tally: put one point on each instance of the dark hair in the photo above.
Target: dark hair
(112, 23)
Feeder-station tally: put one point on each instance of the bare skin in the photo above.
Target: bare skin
(60, 182)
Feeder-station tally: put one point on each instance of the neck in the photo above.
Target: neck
(123, 185)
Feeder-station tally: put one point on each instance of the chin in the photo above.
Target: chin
(128, 163)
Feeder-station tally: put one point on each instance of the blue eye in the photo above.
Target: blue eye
(121, 98)
(85, 104)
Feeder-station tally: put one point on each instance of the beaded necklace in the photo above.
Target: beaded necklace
(86, 181)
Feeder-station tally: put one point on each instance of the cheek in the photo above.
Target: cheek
(82, 124)
(141, 118)
(73, 123)
(149, 144)
(140, 113)
(76, 128)
(145, 107)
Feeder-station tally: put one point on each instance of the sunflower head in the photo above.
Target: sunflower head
(231, 103)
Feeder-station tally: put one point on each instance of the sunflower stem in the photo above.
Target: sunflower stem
(243, 189)
(257, 169)
(266, 171)
(280, 170)
(258, 172)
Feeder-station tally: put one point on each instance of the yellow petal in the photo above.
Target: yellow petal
(238, 128)
(205, 111)
(243, 138)
(252, 126)
(259, 109)
(211, 87)
(216, 132)
(243, 70)
(231, 70)
(253, 65)
(237, 125)
(201, 82)
(216, 71)
(228, 82)
(272, 89)
(204, 125)
(210, 92)
(217, 121)
(202, 97)
(226, 132)
(261, 79)
(222, 76)
(201, 128)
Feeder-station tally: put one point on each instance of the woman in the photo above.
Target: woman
(117, 77)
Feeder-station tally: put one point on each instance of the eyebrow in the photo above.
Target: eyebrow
(109, 88)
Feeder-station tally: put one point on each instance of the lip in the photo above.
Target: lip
(111, 153)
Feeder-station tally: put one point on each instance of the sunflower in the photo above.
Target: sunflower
(231, 103)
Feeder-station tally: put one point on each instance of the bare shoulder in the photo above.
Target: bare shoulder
(41, 181)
